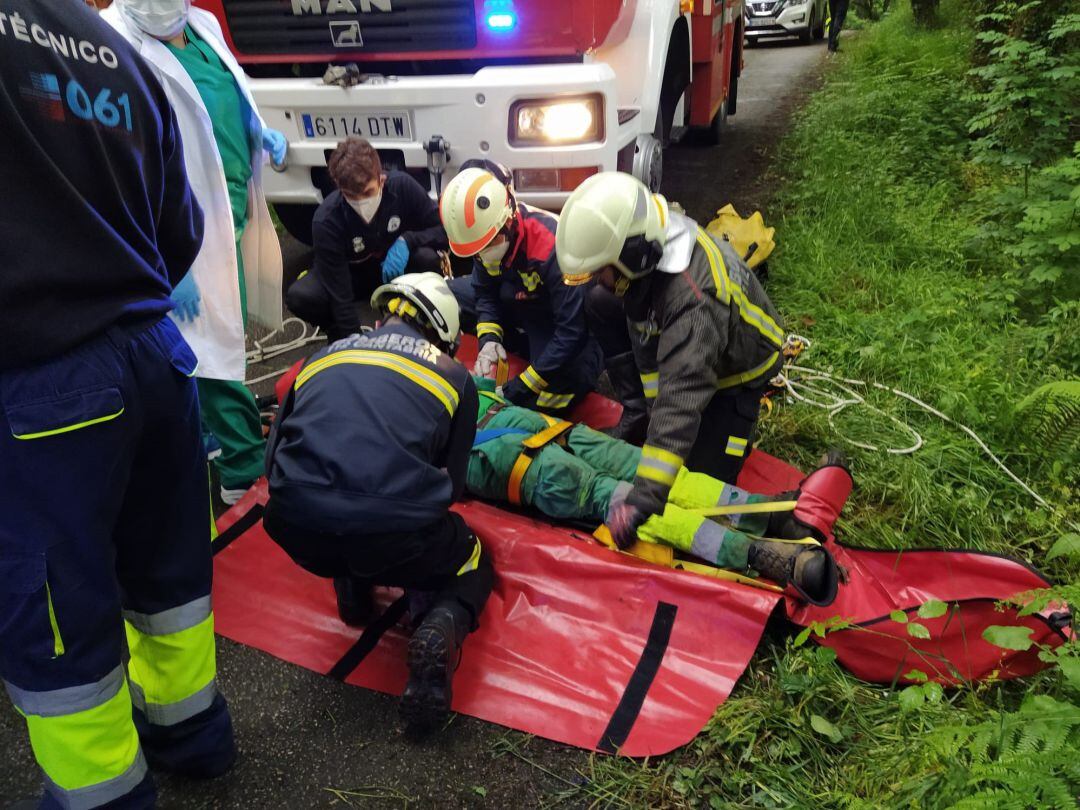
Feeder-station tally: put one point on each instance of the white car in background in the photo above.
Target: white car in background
(804, 19)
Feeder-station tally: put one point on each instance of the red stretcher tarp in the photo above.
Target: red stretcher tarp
(603, 651)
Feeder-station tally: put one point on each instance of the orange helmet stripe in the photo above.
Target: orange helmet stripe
(470, 248)
(470, 198)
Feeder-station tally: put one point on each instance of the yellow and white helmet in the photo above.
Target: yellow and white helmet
(422, 295)
(611, 219)
(474, 208)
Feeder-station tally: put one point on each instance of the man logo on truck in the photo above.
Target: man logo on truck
(300, 7)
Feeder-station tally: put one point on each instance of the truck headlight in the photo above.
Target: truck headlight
(534, 122)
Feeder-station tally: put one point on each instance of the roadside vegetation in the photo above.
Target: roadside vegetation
(929, 240)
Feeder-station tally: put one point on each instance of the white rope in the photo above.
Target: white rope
(265, 350)
(834, 404)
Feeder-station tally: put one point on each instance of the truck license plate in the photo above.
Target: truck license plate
(379, 125)
(757, 22)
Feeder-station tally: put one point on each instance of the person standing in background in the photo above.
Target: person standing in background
(238, 271)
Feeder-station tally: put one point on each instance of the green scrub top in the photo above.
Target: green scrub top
(230, 114)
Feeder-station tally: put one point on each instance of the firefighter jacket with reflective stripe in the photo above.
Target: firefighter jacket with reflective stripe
(374, 435)
(708, 328)
(529, 283)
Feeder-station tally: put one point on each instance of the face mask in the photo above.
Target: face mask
(366, 207)
(161, 19)
(492, 255)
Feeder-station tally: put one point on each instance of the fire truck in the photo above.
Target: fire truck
(556, 90)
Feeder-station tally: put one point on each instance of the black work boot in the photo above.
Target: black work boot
(626, 382)
(434, 652)
(355, 601)
(810, 570)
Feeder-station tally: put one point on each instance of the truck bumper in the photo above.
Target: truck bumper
(470, 111)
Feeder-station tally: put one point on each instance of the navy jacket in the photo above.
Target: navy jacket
(341, 237)
(374, 436)
(98, 219)
(528, 282)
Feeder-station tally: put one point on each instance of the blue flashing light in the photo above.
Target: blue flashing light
(501, 21)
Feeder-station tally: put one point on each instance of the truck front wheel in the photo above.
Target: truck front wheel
(649, 161)
(296, 218)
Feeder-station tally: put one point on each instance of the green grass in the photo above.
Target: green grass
(875, 265)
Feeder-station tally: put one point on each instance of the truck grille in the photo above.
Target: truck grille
(304, 26)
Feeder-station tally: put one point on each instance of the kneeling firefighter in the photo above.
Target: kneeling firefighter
(516, 285)
(368, 453)
(705, 336)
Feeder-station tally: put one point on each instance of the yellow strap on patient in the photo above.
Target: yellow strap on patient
(555, 429)
(746, 508)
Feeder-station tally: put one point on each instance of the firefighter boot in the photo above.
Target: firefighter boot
(634, 423)
(434, 653)
(820, 497)
(809, 569)
(355, 602)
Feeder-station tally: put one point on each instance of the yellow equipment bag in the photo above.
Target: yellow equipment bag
(750, 238)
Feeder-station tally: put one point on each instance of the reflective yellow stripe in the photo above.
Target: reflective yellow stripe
(725, 289)
(533, 381)
(576, 279)
(473, 562)
(172, 666)
(58, 642)
(549, 400)
(488, 328)
(86, 748)
(401, 307)
(664, 456)
(650, 384)
(736, 446)
(746, 376)
(70, 428)
(425, 377)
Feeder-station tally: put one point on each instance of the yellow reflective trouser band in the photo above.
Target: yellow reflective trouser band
(650, 382)
(658, 465)
(172, 663)
(554, 401)
(426, 378)
(736, 446)
(473, 562)
(84, 739)
(533, 381)
(750, 374)
(726, 290)
(58, 641)
(489, 328)
(68, 428)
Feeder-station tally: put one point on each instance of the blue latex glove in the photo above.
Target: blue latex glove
(274, 143)
(185, 296)
(396, 259)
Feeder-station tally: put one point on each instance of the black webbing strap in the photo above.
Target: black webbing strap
(246, 521)
(368, 639)
(626, 713)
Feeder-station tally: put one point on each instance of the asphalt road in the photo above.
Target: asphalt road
(302, 736)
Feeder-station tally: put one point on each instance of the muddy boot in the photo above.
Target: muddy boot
(434, 652)
(819, 499)
(810, 570)
(634, 423)
(355, 601)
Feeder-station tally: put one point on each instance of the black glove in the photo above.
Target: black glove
(623, 521)
(517, 393)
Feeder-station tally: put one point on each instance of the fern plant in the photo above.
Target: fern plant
(1050, 416)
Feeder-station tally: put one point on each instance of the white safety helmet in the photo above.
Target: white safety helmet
(474, 208)
(611, 219)
(425, 295)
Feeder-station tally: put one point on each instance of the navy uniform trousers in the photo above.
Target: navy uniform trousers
(105, 537)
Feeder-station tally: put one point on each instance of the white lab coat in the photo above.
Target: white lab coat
(217, 334)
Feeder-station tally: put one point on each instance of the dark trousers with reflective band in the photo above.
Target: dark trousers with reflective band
(726, 434)
(103, 488)
(309, 300)
(444, 559)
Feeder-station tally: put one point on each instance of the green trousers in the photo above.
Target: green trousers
(577, 479)
(231, 415)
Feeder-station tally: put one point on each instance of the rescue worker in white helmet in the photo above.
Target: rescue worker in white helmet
(705, 336)
(516, 290)
(368, 452)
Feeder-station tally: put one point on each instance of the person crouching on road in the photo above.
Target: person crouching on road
(237, 274)
(706, 337)
(375, 226)
(369, 451)
(516, 285)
